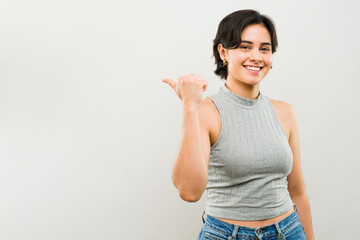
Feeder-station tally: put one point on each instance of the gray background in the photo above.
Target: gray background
(89, 133)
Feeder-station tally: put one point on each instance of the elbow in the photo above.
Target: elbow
(190, 192)
(189, 197)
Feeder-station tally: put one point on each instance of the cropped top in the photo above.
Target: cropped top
(250, 161)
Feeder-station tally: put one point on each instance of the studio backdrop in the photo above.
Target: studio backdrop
(89, 132)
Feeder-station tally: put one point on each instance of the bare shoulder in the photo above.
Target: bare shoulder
(207, 104)
(285, 113)
(208, 111)
(282, 106)
(210, 119)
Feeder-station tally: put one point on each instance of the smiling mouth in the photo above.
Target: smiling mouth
(253, 68)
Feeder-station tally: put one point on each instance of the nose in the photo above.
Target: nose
(255, 57)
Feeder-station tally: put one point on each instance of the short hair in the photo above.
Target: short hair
(229, 34)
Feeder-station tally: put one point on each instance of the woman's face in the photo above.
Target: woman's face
(251, 61)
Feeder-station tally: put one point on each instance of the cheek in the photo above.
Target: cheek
(239, 57)
(267, 60)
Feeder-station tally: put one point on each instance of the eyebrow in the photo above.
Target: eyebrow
(264, 43)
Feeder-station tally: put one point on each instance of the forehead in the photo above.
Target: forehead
(256, 33)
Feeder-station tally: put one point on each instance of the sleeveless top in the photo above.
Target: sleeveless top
(250, 161)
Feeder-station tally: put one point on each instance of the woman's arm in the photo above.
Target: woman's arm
(296, 185)
(189, 172)
(190, 168)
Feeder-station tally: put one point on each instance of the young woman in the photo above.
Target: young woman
(240, 145)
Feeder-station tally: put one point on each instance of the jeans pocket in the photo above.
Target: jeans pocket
(214, 234)
(211, 236)
(295, 231)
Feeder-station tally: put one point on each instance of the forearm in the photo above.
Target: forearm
(303, 208)
(189, 171)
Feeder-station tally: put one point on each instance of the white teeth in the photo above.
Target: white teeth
(253, 68)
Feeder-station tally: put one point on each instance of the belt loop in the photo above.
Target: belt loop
(203, 217)
(280, 234)
(233, 235)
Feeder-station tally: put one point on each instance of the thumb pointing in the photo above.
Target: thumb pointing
(172, 83)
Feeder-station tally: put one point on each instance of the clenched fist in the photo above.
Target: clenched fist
(189, 88)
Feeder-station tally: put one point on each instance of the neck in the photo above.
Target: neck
(243, 90)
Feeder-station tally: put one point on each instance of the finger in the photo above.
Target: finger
(172, 83)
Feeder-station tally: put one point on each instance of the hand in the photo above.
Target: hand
(189, 88)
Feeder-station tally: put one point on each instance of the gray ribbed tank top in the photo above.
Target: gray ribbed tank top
(250, 161)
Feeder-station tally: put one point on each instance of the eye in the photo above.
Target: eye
(265, 49)
(245, 47)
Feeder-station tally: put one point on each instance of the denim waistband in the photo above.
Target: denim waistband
(235, 230)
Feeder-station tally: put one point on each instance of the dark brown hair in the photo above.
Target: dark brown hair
(229, 34)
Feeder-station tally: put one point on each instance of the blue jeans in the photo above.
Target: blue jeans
(289, 228)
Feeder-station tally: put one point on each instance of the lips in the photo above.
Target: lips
(252, 68)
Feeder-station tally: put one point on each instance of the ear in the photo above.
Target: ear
(222, 51)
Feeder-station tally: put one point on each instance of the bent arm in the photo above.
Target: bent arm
(189, 173)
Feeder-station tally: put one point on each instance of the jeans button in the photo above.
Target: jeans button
(259, 231)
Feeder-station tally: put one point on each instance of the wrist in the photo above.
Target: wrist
(190, 107)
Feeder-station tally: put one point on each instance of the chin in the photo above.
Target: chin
(253, 82)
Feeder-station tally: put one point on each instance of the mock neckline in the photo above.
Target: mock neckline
(240, 101)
